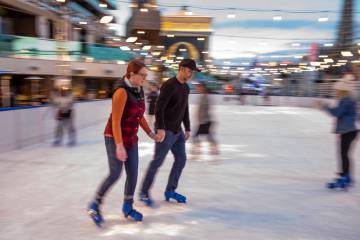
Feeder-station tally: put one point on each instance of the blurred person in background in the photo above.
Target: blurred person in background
(345, 114)
(242, 95)
(121, 140)
(357, 79)
(172, 109)
(265, 93)
(151, 99)
(205, 121)
(63, 101)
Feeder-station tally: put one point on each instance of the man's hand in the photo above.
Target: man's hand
(121, 152)
(160, 136)
(187, 135)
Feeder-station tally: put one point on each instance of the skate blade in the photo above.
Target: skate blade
(133, 220)
(93, 217)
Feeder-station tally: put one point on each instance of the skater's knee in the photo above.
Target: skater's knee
(132, 178)
(156, 163)
(114, 175)
(114, 178)
(181, 161)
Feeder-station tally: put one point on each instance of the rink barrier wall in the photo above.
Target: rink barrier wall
(255, 100)
(23, 127)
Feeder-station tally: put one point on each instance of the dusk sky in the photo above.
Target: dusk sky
(259, 25)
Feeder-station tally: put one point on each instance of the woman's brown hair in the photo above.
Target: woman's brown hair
(134, 67)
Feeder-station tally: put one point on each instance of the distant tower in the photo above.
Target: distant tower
(144, 22)
(346, 27)
(344, 42)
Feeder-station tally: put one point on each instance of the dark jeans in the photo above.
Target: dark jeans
(346, 140)
(115, 167)
(176, 143)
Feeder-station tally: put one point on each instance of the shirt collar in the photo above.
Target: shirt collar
(128, 83)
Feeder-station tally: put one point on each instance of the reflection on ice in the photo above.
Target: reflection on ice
(156, 228)
(164, 229)
(120, 229)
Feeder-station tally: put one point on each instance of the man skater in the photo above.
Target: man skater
(172, 109)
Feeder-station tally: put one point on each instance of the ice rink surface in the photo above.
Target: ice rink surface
(267, 184)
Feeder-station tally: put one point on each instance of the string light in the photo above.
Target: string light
(233, 9)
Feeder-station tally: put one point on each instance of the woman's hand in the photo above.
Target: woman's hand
(121, 154)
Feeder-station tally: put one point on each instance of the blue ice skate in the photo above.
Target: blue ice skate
(348, 180)
(342, 183)
(71, 144)
(176, 196)
(129, 211)
(56, 143)
(95, 214)
(146, 199)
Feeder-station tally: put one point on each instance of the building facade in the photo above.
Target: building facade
(45, 40)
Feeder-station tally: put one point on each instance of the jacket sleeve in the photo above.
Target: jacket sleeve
(145, 126)
(339, 110)
(186, 119)
(118, 105)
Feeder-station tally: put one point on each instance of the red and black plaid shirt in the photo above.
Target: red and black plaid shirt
(132, 114)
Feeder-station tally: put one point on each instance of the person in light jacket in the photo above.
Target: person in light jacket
(345, 114)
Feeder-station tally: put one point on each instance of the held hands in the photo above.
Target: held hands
(121, 154)
(153, 136)
(156, 137)
(160, 136)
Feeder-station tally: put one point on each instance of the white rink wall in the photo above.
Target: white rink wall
(21, 128)
(284, 101)
(24, 127)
